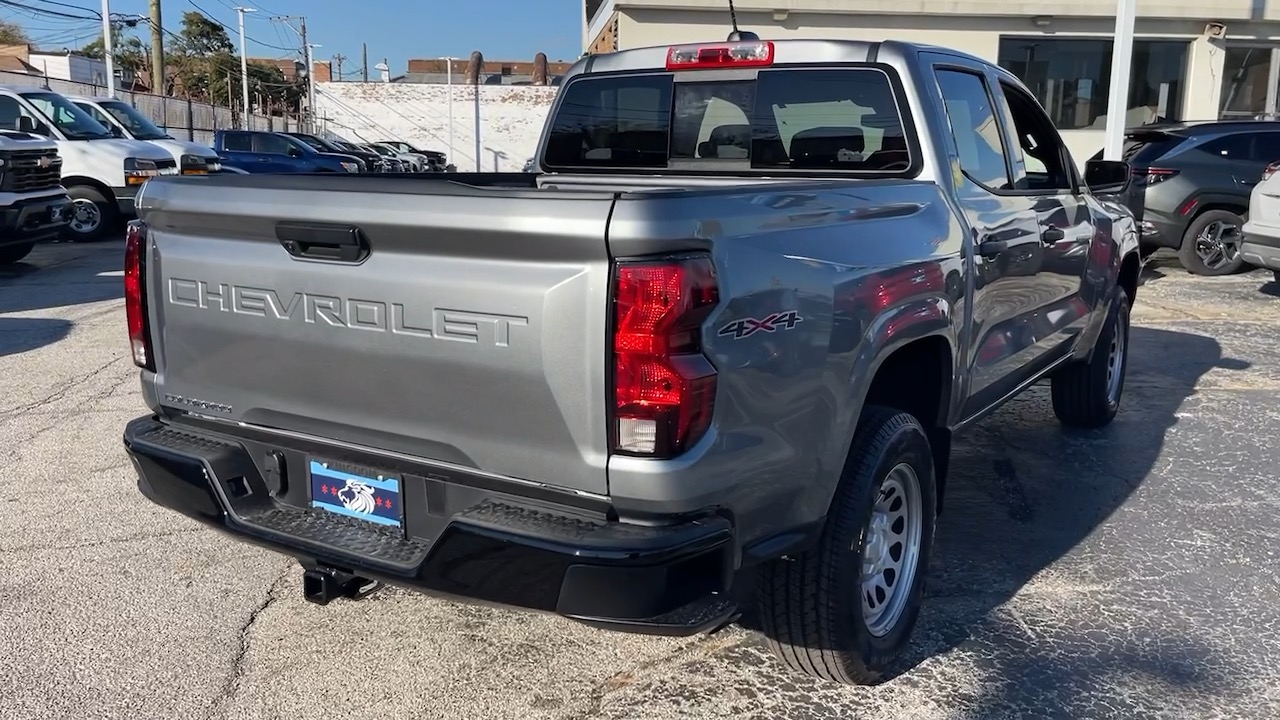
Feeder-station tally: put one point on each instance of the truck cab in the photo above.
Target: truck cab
(101, 172)
(124, 121)
(272, 152)
(33, 204)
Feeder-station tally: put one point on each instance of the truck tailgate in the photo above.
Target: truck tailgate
(472, 333)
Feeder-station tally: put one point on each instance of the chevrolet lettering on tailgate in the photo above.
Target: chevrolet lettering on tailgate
(396, 318)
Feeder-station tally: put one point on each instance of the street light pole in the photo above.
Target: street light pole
(244, 67)
(1118, 95)
(108, 49)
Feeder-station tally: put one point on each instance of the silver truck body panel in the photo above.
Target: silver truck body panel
(868, 266)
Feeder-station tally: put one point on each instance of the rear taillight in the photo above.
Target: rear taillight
(1270, 170)
(135, 300)
(1159, 175)
(664, 386)
(754, 53)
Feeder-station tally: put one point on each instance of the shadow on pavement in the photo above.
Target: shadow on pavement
(1022, 494)
(18, 335)
(94, 276)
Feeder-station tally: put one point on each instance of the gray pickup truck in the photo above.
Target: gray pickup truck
(723, 336)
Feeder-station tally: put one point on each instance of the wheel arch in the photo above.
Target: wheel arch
(74, 180)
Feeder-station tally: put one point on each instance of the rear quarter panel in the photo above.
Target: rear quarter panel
(864, 265)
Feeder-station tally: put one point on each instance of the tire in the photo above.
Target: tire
(85, 226)
(811, 605)
(11, 254)
(1087, 394)
(1222, 224)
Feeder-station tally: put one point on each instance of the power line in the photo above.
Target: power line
(219, 23)
(51, 13)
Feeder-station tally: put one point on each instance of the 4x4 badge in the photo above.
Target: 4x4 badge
(749, 326)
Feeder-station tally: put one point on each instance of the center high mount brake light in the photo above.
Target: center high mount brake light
(755, 53)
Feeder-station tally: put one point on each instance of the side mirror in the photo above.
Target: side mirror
(294, 152)
(26, 124)
(116, 132)
(1109, 176)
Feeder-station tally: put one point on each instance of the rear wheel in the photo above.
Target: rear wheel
(844, 610)
(93, 215)
(1087, 394)
(1211, 244)
(10, 254)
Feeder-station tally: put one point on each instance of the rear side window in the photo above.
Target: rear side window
(1227, 147)
(845, 120)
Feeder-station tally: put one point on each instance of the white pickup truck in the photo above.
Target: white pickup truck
(33, 203)
(102, 173)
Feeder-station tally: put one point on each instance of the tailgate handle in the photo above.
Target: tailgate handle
(322, 241)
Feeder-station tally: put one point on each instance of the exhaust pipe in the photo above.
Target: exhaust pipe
(320, 585)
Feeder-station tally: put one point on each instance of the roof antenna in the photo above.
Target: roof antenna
(739, 35)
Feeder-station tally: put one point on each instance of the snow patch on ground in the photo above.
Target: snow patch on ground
(511, 118)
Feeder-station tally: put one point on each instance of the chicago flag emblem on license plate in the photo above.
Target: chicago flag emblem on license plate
(341, 489)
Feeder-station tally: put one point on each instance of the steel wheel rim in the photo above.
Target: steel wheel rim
(86, 217)
(1218, 245)
(1115, 359)
(891, 550)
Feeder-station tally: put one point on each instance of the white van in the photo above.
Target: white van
(124, 119)
(102, 173)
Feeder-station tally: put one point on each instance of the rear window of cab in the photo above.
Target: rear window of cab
(845, 120)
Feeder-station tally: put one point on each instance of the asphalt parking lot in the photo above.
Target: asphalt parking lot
(1126, 573)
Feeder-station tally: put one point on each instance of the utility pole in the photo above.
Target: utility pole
(337, 60)
(364, 61)
(244, 66)
(449, 81)
(108, 49)
(159, 84)
(311, 83)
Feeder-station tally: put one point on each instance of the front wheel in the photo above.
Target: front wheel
(844, 610)
(1087, 394)
(1211, 244)
(92, 214)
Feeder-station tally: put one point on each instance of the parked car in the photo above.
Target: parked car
(694, 351)
(33, 204)
(124, 120)
(412, 163)
(436, 158)
(1260, 246)
(1199, 176)
(373, 162)
(391, 157)
(273, 152)
(102, 173)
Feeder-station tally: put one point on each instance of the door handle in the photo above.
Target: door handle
(323, 241)
(1051, 235)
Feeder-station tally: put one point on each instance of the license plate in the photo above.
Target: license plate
(356, 492)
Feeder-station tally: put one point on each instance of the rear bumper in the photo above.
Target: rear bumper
(1260, 246)
(462, 542)
(34, 219)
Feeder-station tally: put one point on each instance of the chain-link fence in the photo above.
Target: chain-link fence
(184, 119)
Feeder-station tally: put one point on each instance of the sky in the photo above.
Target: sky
(394, 29)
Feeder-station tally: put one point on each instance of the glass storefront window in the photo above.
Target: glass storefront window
(1071, 78)
(1246, 83)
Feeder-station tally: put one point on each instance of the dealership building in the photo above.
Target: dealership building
(1192, 59)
